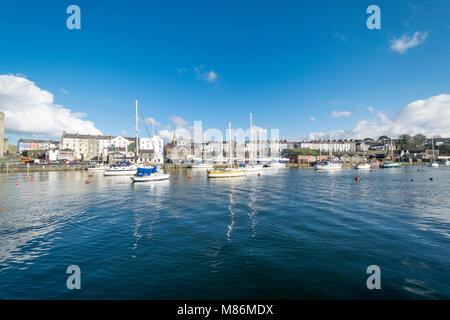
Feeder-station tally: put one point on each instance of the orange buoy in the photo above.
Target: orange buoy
(259, 174)
(189, 177)
(17, 184)
(91, 175)
(357, 178)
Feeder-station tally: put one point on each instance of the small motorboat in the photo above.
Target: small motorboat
(390, 164)
(149, 174)
(434, 164)
(276, 164)
(363, 166)
(328, 166)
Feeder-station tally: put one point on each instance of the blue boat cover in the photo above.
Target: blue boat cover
(147, 170)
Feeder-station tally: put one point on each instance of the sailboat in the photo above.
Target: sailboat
(148, 174)
(390, 164)
(202, 164)
(143, 173)
(329, 165)
(126, 168)
(227, 172)
(276, 163)
(251, 167)
(434, 163)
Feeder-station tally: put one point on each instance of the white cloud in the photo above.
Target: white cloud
(63, 90)
(312, 119)
(31, 110)
(202, 74)
(428, 117)
(340, 114)
(153, 122)
(407, 41)
(179, 121)
(123, 131)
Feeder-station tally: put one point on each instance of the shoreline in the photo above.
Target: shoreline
(44, 168)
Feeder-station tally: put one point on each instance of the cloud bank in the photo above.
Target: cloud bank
(429, 117)
(30, 110)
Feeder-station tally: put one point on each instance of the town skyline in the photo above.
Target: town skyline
(290, 69)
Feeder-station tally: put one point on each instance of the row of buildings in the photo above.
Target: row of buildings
(93, 147)
(3, 143)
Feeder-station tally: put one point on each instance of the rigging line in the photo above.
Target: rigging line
(145, 122)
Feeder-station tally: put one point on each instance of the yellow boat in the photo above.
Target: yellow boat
(226, 173)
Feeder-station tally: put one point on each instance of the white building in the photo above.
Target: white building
(324, 146)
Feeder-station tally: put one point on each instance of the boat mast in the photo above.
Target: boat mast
(229, 143)
(432, 147)
(137, 133)
(329, 146)
(392, 151)
(251, 138)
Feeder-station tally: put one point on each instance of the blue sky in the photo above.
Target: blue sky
(291, 63)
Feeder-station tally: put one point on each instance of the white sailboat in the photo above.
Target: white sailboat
(145, 174)
(434, 163)
(252, 168)
(328, 165)
(390, 164)
(126, 168)
(203, 164)
(227, 172)
(148, 174)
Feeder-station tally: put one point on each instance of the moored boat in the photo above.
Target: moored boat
(149, 174)
(390, 164)
(202, 165)
(363, 166)
(226, 173)
(328, 166)
(121, 169)
(98, 167)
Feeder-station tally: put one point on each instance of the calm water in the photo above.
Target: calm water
(294, 234)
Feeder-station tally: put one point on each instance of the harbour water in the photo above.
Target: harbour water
(294, 234)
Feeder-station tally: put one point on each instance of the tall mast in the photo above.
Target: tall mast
(329, 146)
(432, 147)
(392, 150)
(251, 138)
(229, 143)
(137, 133)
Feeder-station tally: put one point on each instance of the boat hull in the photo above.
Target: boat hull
(226, 174)
(328, 167)
(363, 167)
(120, 172)
(151, 177)
(388, 166)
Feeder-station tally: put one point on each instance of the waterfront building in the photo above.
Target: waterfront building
(36, 145)
(66, 154)
(324, 145)
(86, 147)
(2, 134)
